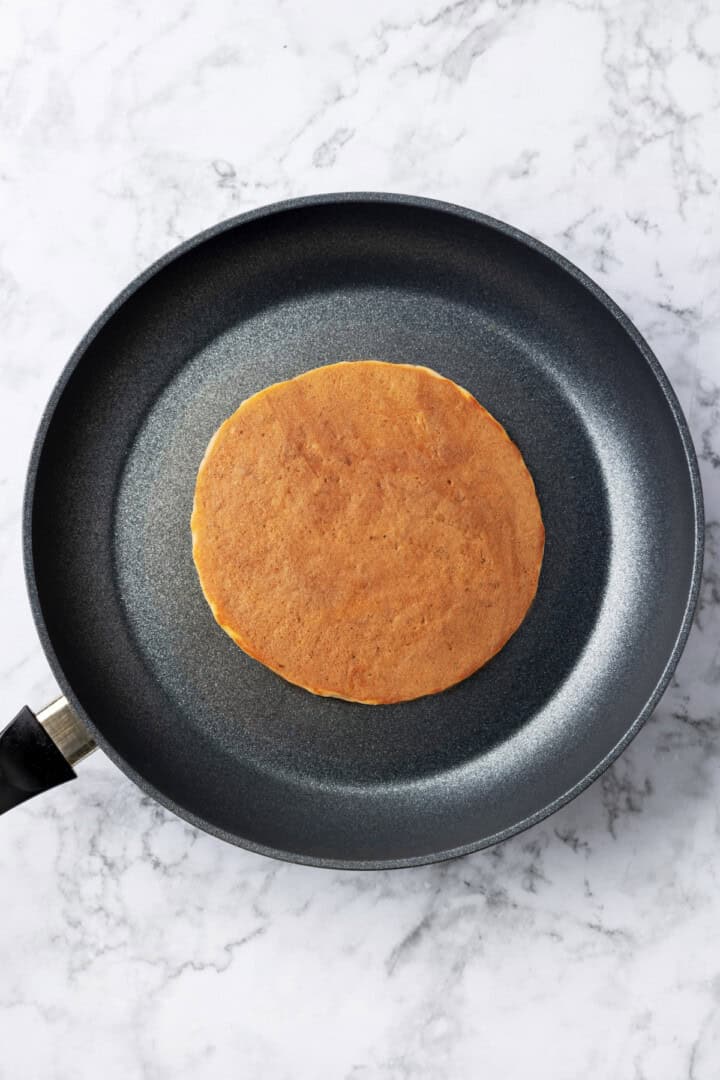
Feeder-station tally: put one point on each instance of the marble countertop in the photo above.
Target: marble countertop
(135, 948)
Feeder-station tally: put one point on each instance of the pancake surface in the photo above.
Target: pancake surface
(367, 530)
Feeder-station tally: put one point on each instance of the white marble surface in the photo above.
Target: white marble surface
(133, 947)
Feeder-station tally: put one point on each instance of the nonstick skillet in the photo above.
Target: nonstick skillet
(218, 738)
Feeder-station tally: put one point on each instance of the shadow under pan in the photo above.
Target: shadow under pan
(223, 740)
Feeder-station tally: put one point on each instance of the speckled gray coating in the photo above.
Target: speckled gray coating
(216, 736)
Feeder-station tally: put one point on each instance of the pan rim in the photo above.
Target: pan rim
(475, 218)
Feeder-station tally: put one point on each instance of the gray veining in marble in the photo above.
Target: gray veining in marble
(137, 949)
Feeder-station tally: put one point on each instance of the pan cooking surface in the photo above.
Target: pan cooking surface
(223, 740)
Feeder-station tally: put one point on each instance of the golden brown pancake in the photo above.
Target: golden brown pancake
(367, 530)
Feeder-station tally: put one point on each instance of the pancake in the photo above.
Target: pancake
(367, 530)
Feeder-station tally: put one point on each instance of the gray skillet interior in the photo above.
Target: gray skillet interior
(212, 733)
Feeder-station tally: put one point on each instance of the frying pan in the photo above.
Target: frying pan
(218, 738)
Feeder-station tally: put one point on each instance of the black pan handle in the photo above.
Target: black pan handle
(38, 752)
